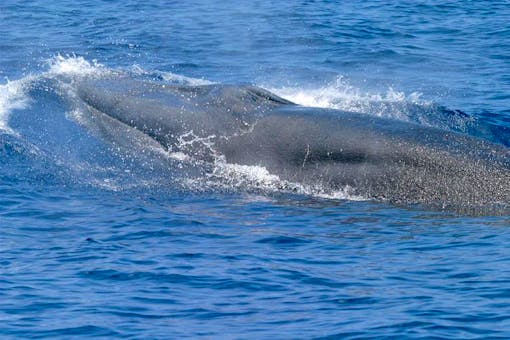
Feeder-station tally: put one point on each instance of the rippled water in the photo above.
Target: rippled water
(100, 239)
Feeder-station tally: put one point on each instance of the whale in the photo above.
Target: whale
(379, 158)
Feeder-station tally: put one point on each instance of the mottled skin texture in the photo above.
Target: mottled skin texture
(380, 158)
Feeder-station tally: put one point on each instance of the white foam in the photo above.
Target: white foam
(75, 66)
(246, 175)
(343, 96)
(345, 193)
(179, 156)
(253, 177)
(12, 97)
(13, 94)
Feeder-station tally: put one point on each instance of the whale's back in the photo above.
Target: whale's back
(381, 158)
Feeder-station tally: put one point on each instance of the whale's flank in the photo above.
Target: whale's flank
(380, 158)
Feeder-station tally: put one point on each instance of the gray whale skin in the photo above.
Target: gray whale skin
(384, 159)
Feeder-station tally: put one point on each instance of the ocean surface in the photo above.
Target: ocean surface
(105, 240)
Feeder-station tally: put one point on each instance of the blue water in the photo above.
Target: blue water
(100, 239)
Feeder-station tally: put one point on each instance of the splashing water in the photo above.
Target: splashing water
(341, 95)
(75, 66)
(12, 97)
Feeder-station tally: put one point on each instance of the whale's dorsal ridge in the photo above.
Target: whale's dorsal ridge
(379, 157)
